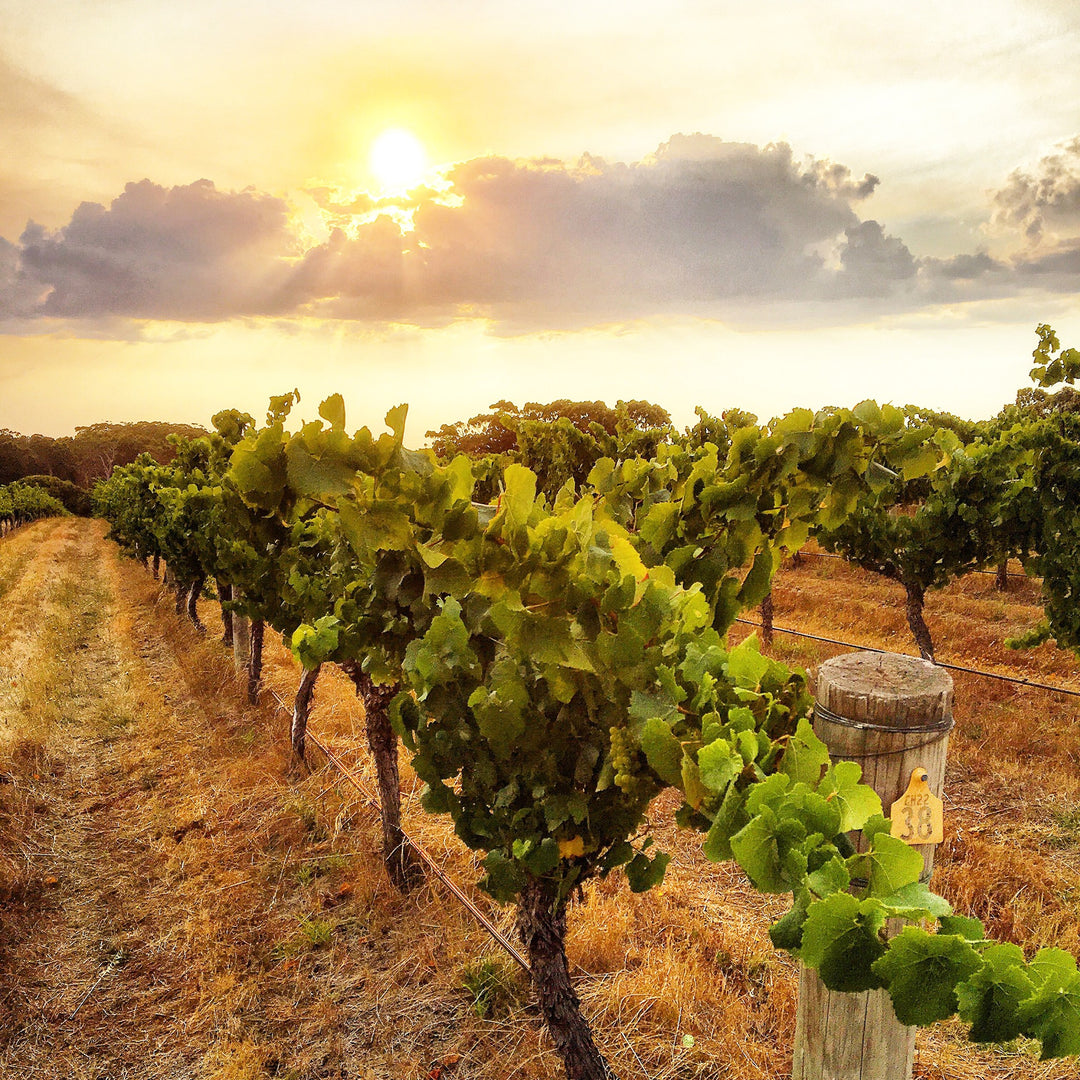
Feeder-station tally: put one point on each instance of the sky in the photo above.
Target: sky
(765, 205)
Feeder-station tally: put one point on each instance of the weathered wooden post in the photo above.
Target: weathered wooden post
(892, 715)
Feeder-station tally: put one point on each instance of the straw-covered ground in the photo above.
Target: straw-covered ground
(175, 903)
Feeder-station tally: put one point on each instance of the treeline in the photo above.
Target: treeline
(87, 456)
(552, 649)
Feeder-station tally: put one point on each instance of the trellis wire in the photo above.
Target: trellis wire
(937, 663)
(436, 869)
(832, 555)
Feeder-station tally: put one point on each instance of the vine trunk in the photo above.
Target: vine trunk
(193, 603)
(921, 632)
(305, 695)
(541, 922)
(224, 591)
(401, 862)
(255, 658)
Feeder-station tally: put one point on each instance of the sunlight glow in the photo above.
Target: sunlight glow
(397, 160)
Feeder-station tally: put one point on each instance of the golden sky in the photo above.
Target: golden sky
(758, 205)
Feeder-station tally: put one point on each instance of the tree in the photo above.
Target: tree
(924, 532)
(1052, 436)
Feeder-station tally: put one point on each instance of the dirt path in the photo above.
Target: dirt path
(69, 706)
(150, 927)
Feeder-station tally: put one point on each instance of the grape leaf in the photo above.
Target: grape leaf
(990, 999)
(786, 933)
(662, 750)
(805, 755)
(969, 929)
(922, 972)
(832, 876)
(857, 802)
(840, 938)
(333, 410)
(890, 864)
(520, 493)
(643, 873)
(719, 764)
(745, 665)
(312, 645)
(1052, 1013)
(916, 901)
(728, 820)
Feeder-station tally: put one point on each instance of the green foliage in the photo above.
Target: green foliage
(22, 503)
(1053, 364)
(563, 658)
(559, 442)
(1051, 439)
(971, 508)
(489, 985)
(317, 932)
(75, 500)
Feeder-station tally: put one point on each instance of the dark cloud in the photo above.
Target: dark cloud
(873, 262)
(702, 226)
(19, 298)
(1056, 267)
(359, 277)
(964, 267)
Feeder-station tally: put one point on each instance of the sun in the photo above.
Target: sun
(398, 160)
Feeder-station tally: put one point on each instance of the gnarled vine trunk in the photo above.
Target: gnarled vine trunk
(766, 619)
(181, 591)
(193, 603)
(401, 862)
(305, 695)
(224, 592)
(254, 666)
(155, 567)
(541, 922)
(1001, 578)
(920, 631)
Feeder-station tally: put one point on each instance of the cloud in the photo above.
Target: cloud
(1045, 200)
(700, 227)
(701, 220)
(873, 262)
(189, 252)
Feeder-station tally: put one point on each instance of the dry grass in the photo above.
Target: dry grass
(225, 919)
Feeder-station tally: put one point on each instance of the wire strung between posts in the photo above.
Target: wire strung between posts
(936, 663)
(436, 869)
(831, 555)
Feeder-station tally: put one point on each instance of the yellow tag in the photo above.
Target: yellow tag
(917, 816)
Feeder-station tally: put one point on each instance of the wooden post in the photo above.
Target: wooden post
(891, 714)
